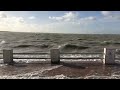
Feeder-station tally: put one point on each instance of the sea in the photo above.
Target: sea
(43, 42)
(24, 42)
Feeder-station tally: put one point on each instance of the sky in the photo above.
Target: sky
(80, 22)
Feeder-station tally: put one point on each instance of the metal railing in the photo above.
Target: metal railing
(85, 53)
(108, 56)
(42, 53)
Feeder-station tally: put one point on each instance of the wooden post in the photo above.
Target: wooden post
(109, 56)
(8, 56)
(55, 56)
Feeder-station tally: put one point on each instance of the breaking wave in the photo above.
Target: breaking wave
(2, 42)
(72, 46)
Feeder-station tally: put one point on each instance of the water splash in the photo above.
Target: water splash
(2, 42)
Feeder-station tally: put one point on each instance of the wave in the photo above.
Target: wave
(22, 46)
(72, 46)
(46, 39)
(63, 47)
(117, 43)
(44, 46)
(75, 47)
(109, 43)
(37, 46)
(2, 42)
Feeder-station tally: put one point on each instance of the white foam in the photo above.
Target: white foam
(2, 42)
(35, 75)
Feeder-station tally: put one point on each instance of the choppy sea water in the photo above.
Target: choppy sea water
(41, 42)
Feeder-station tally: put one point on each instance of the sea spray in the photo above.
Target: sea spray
(2, 42)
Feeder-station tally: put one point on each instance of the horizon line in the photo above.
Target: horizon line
(58, 33)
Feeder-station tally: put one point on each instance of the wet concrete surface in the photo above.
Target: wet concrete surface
(21, 68)
(69, 69)
(84, 69)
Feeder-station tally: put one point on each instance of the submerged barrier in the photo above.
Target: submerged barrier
(108, 56)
